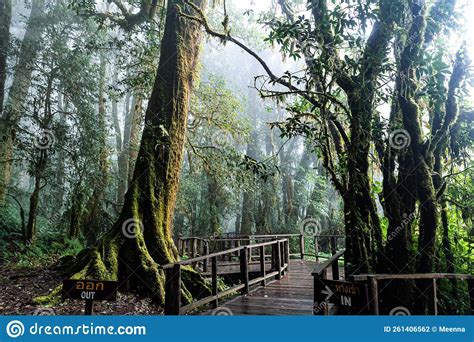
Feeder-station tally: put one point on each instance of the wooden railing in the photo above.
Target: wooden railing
(373, 279)
(196, 246)
(280, 259)
(321, 272)
(192, 246)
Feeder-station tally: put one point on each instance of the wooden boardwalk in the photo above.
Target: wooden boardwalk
(262, 277)
(292, 295)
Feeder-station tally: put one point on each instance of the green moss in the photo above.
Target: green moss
(193, 283)
(54, 298)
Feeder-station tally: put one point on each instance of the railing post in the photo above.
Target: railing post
(236, 245)
(470, 287)
(173, 290)
(273, 257)
(206, 252)
(278, 259)
(215, 303)
(194, 248)
(262, 265)
(335, 265)
(221, 247)
(316, 248)
(373, 295)
(302, 246)
(244, 271)
(287, 255)
(250, 253)
(179, 246)
(282, 255)
(324, 274)
(435, 298)
(319, 309)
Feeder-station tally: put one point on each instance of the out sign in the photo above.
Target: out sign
(90, 289)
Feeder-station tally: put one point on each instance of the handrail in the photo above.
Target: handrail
(362, 277)
(194, 238)
(373, 287)
(200, 246)
(228, 251)
(268, 236)
(372, 280)
(320, 268)
(320, 272)
(280, 264)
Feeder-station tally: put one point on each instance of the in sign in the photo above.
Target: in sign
(346, 296)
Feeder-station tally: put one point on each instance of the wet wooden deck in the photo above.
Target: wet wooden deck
(292, 295)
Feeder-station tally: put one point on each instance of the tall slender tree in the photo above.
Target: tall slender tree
(19, 89)
(5, 21)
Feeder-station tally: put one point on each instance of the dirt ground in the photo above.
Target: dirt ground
(19, 286)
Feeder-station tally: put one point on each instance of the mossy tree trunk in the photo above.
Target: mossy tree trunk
(364, 243)
(423, 151)
(141, 239)
(364, 247)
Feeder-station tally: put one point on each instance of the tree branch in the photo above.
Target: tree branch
(451, 108)
(226, 37)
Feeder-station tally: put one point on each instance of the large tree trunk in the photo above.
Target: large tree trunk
(18, 91)
(363, 231)
(141, 239)
(422, 157)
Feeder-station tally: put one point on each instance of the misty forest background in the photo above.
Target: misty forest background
(356, 116)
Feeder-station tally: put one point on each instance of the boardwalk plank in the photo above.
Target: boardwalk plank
(292, 295)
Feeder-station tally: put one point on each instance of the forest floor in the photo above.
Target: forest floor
(18, 287)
